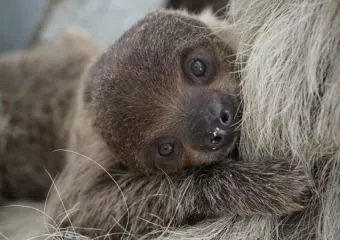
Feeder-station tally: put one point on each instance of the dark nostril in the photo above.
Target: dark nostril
(225, 117)
(216, 140)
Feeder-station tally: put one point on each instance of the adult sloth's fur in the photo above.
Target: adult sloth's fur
(290, 51)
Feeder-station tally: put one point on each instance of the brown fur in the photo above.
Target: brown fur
(108, 196)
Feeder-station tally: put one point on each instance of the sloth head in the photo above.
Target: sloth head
(164, 95)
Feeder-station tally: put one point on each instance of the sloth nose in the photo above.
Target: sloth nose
(215, 139)
(216, 122)
(211, 124)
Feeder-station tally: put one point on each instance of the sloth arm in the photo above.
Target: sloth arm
(141, 203)
(271, 187)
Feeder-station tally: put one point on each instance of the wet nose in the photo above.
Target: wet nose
(212, 124)
(215, 139)
(217, 124)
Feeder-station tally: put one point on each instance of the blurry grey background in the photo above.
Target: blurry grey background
(17, 21)
(25, 22)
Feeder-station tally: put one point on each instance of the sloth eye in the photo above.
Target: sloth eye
(198, 66)
(164, 152)
(166, 149)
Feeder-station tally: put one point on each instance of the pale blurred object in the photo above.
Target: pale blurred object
(105, 20)
(22, 220)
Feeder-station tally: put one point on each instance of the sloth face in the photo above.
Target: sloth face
(165, 96)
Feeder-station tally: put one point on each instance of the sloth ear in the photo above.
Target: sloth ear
(220, 27)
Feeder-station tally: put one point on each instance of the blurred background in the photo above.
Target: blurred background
(24, 23)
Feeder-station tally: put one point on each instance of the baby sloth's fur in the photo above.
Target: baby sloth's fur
(101, 194)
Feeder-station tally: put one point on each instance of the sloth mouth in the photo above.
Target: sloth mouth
(228, 152)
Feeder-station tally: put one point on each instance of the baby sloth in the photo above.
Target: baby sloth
(164, 98)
